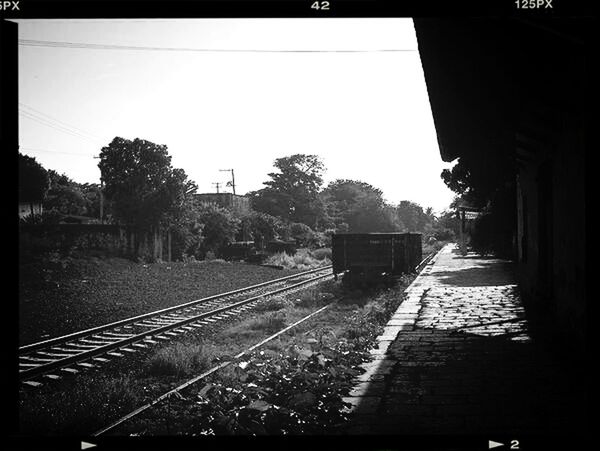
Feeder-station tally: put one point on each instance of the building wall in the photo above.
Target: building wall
(238, 204)
(551, 228)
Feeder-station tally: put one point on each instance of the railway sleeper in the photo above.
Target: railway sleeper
(86, 346)
(97, 344)
(177, 318)
(117, 335)
(53, 377)
(151, 325)
(76, 350)
(59, 355)
(37, 359)
(100, 359)
(86, 365)
(188, 328)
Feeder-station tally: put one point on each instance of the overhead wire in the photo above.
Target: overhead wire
(58, 121)
(85, 45)
(49, 123)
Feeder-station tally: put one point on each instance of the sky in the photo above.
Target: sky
(245, 92)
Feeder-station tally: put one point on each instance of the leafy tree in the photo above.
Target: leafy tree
(91, 192)
(219, 226)
(68, 200)
(33, 180)
(145, 189)
(412, 216)
(186, 232)
(356, 206)
(302, 234)
(292, 193)
(260, 227)
(486, 181)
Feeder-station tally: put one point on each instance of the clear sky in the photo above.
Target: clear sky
(366, 114)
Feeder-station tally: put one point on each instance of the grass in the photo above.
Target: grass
(272, 304)
(271, 322)
(180, 359)
(95, 400)
(302, 260)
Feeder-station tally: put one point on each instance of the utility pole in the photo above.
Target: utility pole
(101, 197)
(232, 183)
(217, 184)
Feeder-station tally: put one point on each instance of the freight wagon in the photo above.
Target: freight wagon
(368, 257)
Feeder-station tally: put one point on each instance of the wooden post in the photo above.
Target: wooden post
(463, 247)
(160, 244)
(169, 244)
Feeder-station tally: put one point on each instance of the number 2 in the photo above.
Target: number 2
(514, 444)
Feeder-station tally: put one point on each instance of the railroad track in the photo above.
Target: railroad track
(79, 351)
(424, 262)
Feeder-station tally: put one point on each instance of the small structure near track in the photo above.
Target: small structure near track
(368, 257)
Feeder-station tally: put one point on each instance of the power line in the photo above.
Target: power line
(46, 122)
(51, 125)
(31, 149)
(59, 122)
(91, 46)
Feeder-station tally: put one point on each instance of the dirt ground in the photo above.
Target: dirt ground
(60, 296)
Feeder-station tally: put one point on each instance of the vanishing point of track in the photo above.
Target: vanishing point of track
(89, 348)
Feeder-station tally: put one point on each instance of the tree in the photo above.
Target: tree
(145, 189)
(486, 181)
(356, 206)
(260, 227)
(65, 196)
(33, 180)
(67, 200)
(292, 193)
(219, 226)
(413, 217)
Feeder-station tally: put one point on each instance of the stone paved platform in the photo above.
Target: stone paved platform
(457, 358)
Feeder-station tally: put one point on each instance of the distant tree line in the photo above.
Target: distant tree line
(141, 189)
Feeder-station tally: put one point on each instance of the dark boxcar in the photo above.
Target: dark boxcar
(289, 247)
(238, 250)
(371, 254)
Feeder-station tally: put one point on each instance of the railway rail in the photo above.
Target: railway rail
(418, 268)
(69, 354)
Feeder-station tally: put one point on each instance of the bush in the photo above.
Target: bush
(180, 359)
(322, 254)
(261, 228)
(444, 234)
(219, 227)
(46, 217)
(301, 260)
(303, 235)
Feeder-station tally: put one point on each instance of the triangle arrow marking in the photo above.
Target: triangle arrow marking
(493, 444)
